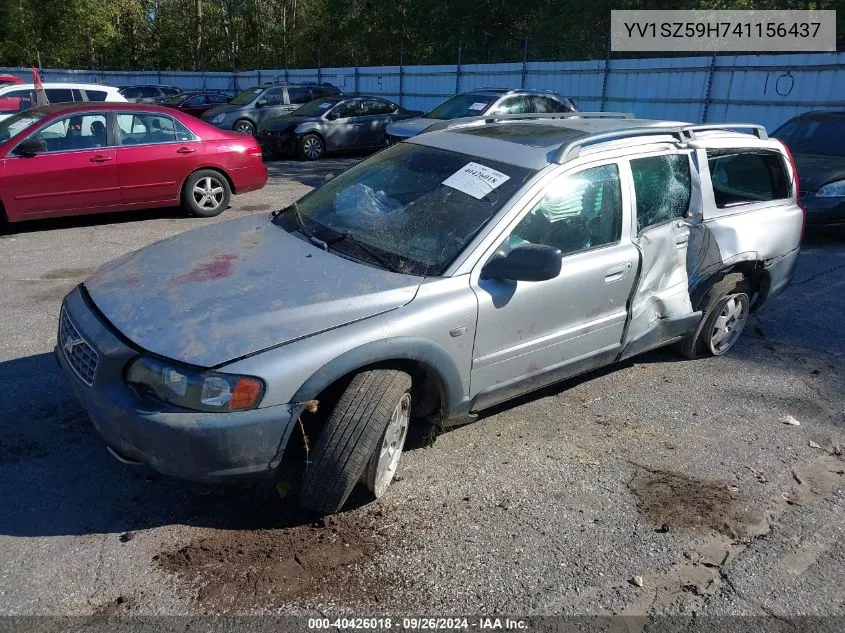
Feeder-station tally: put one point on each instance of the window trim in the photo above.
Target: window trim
(110, 117)
(118, 131)
(475, 256)
(568, 175)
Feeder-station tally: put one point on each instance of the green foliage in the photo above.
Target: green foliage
(246, 34)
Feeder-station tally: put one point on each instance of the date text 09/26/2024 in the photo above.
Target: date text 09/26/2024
(416, 624)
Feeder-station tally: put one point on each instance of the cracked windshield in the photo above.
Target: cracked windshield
(411, 208)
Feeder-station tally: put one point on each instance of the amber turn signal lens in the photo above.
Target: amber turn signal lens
(246, 394)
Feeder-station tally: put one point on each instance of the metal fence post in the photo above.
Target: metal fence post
(524, 62)
(319, 70)
(458, 70)
(356, 74)
(706, 106)
(606, 73)
(401, 71)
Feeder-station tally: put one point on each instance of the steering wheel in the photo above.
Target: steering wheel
(569, 235)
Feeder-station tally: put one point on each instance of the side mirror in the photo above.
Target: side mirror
(260, 103)
(327, 178)
(529, 262)
(332, 116)
(31, 147)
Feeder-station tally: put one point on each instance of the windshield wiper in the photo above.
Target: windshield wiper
(300, 224)
(366, 249)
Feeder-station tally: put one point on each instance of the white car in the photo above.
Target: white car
(17, 97)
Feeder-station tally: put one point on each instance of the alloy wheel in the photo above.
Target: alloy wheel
(729, 324)
(312, 148)
(392, 443)
(208, 193)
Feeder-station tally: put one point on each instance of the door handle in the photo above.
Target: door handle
(682, 240)
(185, 150)
(615, 273)
(99, 158)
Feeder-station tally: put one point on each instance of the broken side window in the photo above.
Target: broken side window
(746, 177)
(662, 187)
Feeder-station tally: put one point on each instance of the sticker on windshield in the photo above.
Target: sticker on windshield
(476, 180)
(478, 106)
(324, 105)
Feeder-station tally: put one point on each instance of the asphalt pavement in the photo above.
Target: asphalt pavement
(657, 487)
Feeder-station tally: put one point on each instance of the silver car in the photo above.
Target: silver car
(482, 101)
(435, 279)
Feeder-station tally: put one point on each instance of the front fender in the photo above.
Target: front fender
(417, 350)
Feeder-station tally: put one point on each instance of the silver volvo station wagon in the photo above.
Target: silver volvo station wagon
(437, 278)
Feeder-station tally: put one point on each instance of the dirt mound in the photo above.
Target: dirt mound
(681, 502)
(263, 568)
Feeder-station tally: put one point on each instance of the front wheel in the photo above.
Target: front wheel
(362, 440)
(311, 147)
(206, 193)
(244, 127)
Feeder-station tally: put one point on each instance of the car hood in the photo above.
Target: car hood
(223, 108)
(287, 121)
(410, 127)
(816, 170)
(235, 288)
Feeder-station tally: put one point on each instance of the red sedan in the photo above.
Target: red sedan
(81, 158)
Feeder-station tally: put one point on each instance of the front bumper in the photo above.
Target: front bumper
(223, 125)
(824, 211)
(277, 142)
(187, 444)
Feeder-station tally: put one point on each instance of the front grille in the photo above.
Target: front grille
(79, 354)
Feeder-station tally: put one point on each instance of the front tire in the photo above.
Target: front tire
(362, 439)
(244, 127)
(206, 193)
(725, 306)
(311, 147)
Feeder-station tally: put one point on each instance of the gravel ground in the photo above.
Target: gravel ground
(675, 475)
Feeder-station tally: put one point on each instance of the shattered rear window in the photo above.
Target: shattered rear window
(662, 186)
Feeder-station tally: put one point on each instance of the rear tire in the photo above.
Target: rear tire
(353, 437)
(725, 307)
(206, 193)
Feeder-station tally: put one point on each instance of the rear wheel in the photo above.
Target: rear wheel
(725, 306)
(361, 441)
(311, 147)
(206, 193)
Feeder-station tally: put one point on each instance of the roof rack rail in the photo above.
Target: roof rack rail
(683, 134)
(758, 130)
(571, 150)
(527, 116)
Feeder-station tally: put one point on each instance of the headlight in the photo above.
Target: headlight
(832, 190)
(218, 118)
(192, 388)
